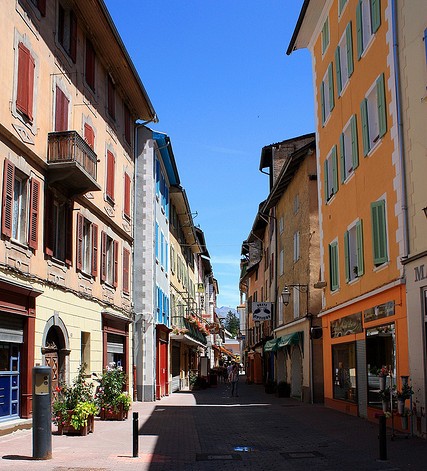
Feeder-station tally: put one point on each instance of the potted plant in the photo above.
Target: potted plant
(402, 395)
(73, 406)
(110, 396)
(385, 398)
(382, 374)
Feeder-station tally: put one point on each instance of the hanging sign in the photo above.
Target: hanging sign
(261, 311)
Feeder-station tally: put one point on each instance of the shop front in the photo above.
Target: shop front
(362, 341)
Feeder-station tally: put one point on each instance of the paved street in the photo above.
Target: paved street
(208, 430)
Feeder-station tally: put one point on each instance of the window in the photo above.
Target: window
(90, 65)
(368, 20)
(67, 31)
(109, 259)
(330, 174)
(111, 164)
(25, 87)
(40, 5)
(20, 206)
(333, 266)
(296, 246)
(89, 135)
(156, 245)
(172, 260)
(349, 150)
(344, 59)
(341, 5)
(58, 228)
(327, 94)
(353, 250)
(344, 371)
(87, 246)
(126, 270)
(111, 98)
(325, 35)
(374, 115)
(295, 301)
(127, 196)
(85, 350)
(379, 232)
(127, 119)
(61, 110)
(281, 262)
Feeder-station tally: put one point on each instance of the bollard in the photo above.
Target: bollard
(383, 438)
(135, 435)
(42, 415)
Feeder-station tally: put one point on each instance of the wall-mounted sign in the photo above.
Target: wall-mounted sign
(378, 312)
(261, 311)
(200, 288)
(347, 325)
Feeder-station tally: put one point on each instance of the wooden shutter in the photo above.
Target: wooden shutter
(322, 102)
(359, 30)
(79, 248)
(381, 104)
(69, 233)
(103, 256)
(333, 265)
(126, 258)
(347, 256)
(354, 143)
(90, 64)
(89, 135)
(8, 186)
(375, 15)
(73, 36)
(360, 257)
(127, 195)
(110, 175)
(331, 87)
(349, 50)
(365, 128)
(343, 170)
(338, 69)
(116, 263)
(34, 213)
(111, 99)
(379, 232)
(335, 169)
(25, 87)
(61, 111)
(49, 238)
(94, 257)
(325, 180)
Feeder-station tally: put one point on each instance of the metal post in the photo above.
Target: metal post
(383, 438)
(42, 415)
(135, 435)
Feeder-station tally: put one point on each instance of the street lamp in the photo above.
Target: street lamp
(286, 294)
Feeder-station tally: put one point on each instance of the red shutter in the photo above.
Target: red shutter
(89, 136)
(103, 256)
(73, 36)
(33, 238)
(127, 124)
(69, 233)
(90, 64)
(110, 174)
(94, 250)
(8, 184)
(126, 208)
(126, 257)
(111, 99)
(41, 5)
(61, 111)
(79, 248)
(116, 263)
(24, 96)
(49, 228)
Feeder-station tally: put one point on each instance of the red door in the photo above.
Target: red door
(162, 369)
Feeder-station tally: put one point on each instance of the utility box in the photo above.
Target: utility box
(42, 412)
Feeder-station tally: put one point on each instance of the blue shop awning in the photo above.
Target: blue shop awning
(270, 345)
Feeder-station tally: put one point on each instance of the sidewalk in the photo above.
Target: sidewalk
(208, 430)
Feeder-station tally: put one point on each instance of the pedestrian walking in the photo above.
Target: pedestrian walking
(233, 378)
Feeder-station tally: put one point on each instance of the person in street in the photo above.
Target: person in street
(233, 378)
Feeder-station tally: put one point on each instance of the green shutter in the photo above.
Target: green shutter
(322, 102)
(338, 69)
(375, 15)
(365, 129)
(360, 261)
(331, 86)
(349, 51)
(333, 265)
(379, 232)
(359, 30)
(382, 112)
(347, 256)
(342, 158)
(354, 143)
(341, 5)
(325, 180)
(335, 169)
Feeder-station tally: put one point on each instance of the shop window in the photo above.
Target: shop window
(380, 352)
(349, 151)
(344, 372)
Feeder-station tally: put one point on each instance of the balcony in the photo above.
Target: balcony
(72, 163)
(188, 331)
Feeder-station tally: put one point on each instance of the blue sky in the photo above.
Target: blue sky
(222, 86)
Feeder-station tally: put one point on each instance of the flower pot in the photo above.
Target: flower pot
(114, 414)
(382, 382)
(400, 406)
(385, 405)
(65, 427)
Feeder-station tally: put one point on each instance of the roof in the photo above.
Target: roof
(165, 149)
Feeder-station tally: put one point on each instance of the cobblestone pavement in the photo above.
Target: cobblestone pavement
(209, 430)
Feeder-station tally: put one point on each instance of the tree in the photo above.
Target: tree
(232, 323)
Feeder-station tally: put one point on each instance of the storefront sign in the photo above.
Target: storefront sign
(378, 312)
(261, 311)
(419, 273)
(347, 325)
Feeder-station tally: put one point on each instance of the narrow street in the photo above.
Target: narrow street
(209, 430)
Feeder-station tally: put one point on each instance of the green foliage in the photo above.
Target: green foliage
(232, 323)
(405, 393)
(81, 413)
(110, 390)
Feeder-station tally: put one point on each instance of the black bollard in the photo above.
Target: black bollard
(42, 415)
(383, 438)
(135, 435)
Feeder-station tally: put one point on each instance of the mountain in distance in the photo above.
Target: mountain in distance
(223, 311)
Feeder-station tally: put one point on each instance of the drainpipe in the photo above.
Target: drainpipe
(401, 149)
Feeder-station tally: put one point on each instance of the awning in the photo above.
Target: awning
(270, 345)
(290, 339)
